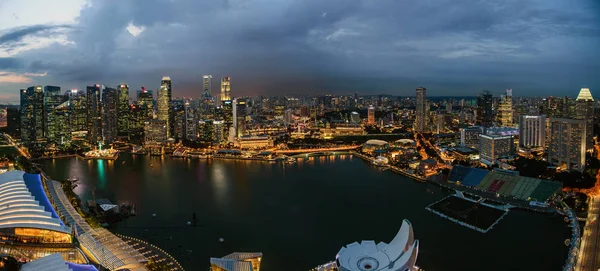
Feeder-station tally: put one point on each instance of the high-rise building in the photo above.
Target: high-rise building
(166, 81)
(566, 147)
(226, 105)
(494, 147)
(371, 115)
(137, 120)
(162, 112)
(78, 103)
(62, 116)
(155, 132)
(239, 116)
(484, 109)
(32, 114)
(226, 89)
(420, 111)
(505, 109)
(123, 112)
(190, 122)
(110, 107)
(219, 131)
(145, 100)
(179, 111)
(354, 117)
(206, 130)
(94, 113)
(584, 110)
(469, 137)
(13, 122)
(207, 105)
(52, 99)
(532, 131)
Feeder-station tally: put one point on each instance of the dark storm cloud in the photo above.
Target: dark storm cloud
(316, 46)
(10, 63)
(12, 38)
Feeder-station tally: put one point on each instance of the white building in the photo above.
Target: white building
(532, 131)
(494, 147)
(399, 255)
(469, 137)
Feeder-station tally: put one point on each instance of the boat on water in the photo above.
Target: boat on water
(291, 160)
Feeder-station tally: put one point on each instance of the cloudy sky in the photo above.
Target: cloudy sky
(453, 47)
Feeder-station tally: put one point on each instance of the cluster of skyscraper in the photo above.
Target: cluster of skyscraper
(103, 115)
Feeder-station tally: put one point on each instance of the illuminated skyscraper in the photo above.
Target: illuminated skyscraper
(484, 109)
(227, 104)
(584, 110)
(239, 116)
(421, 110)
(505, 109)
(52, 99)
(77, 101)
(371, 115)
(13, 121)
(494, 147)
(145, 100)
(532, 131)
(566, 147)
(190, 122)
(123, 112)
(207, 102)
(226, 89)
(110, 104)
(166, 81)
(94, 113)
(162, 112)
(32, 117)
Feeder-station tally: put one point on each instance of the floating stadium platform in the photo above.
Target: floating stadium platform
(504, 183)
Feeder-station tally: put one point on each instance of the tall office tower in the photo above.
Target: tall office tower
(32, 114)
(94, 113)
(13, 122)
(421, 112)
(469, 137)
(532, 131)
(123, 112)
(155, 132)
(166, 81)
(190, 122)
(239, 116)
(207, 105)
(163, 107)
(78, 103)
(225, 89)
(505, 109)
(219, 131)
(145, 101)
(52, 99)
(226, 105)
(206, 131)
(354, 117)
(110, 107)
(179, 111)
(585, 111)
(62, 115)
(566, 147)
(137, 119)
(371, 115)
(484, 109)
(494, 147)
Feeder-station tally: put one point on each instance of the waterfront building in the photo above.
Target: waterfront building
(254, 142)
(494, 147)
(532, 131)
(226, 105)
(180, 118)
(110, 105)
(123, 112)
(584, 110)
(26, 214)
(566, 143)
(219, 131)
(371, 115)
(155, 132)
(469, 137)
(399, 255)
(52, 98)
(484, 109)
(375, 145)
(13, 121)
(163, 106)
(239, 116)
(206, 131)
(238, 261)
(421, 110)
(78, 102)
(505, 109)
(190, 122)
(137, 119)
(341, 131)
(94, 113)
(32, 117)
(166, 81)
(62, 116)
(145, 100)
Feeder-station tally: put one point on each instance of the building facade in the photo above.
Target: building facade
(532, 131)
(52, 99)
(584, 110)
(13, 122)
(163, 106)
(485, 109)
(494, 147)
(123, 112)
(94, 113)
(469, 137)
(371, 115)
(110, 107)
(505, 109)
(32, 115)
(566, 146)
(421, 110)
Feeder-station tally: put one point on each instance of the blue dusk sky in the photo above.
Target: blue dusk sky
(287, 47)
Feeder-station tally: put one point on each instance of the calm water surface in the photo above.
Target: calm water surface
(300, 215)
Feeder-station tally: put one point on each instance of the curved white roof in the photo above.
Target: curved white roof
(376, 142)
(405, 141)
(52, 262)
(18, 208)
(399, 255)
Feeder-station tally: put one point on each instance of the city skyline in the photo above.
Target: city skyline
(337, 47)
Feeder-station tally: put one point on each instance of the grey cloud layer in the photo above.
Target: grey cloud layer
(315, 46)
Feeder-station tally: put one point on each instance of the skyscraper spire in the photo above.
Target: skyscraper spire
(584, 94)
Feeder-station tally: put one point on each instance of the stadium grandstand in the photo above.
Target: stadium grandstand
(504, 183)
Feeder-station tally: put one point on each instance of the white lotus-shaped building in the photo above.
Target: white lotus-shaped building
(399, 255)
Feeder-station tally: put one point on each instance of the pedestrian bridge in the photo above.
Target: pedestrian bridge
(318, 150)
